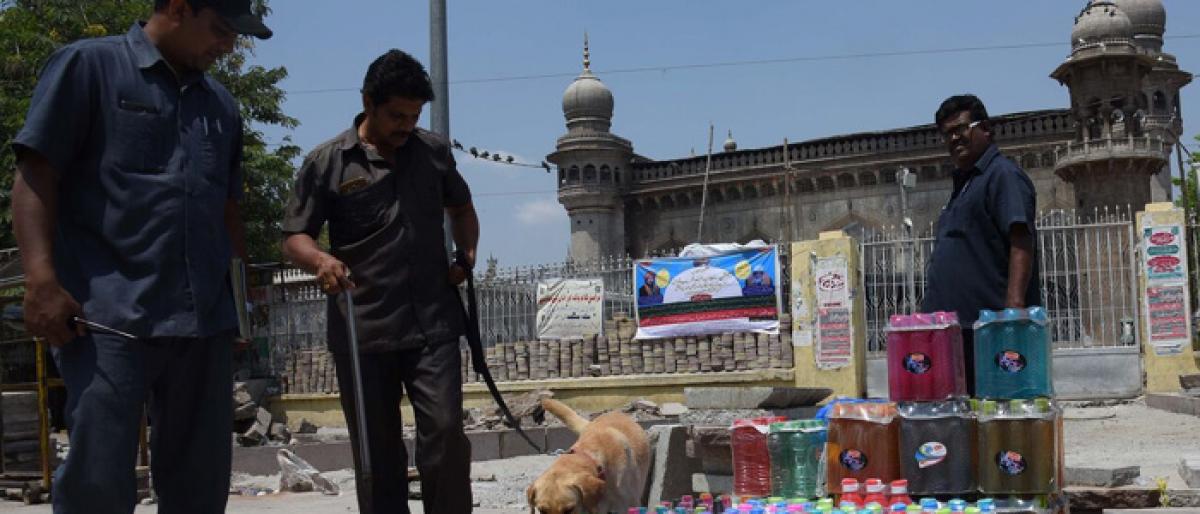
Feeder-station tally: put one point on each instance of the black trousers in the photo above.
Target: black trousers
(431, 377)
(109, 380)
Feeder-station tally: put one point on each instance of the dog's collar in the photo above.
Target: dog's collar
(588, 456)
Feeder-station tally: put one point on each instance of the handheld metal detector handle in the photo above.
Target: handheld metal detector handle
(360, 409)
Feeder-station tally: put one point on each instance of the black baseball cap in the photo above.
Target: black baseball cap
(238, 14)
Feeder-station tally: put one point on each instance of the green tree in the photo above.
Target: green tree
(1189, 193)
(30, 30)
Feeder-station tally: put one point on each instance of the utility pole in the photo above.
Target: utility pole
(908, 180)
(439, 111)
(704, 191)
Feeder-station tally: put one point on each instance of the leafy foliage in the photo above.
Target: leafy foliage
(30, 30)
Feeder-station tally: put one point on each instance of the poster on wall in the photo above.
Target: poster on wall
(569, 309)
(1164, 258)
(1167, 309)
(734, 291)
(834, 333)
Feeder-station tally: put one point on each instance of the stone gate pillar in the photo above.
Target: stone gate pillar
(1166, 320)
(828, 315)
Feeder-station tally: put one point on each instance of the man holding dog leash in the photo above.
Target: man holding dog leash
(383, 187)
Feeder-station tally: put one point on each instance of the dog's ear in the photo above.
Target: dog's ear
(531, 495)
(590, 490)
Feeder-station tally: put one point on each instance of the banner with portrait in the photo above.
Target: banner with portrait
(736, 291)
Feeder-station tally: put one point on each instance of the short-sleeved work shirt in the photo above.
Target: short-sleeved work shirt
(969, 267)
(147, 163)
(386, 225)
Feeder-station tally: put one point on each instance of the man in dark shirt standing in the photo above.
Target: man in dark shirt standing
(984, 256)
(125, 209)
(383, 186)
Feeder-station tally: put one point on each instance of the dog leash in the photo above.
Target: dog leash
(478, 361)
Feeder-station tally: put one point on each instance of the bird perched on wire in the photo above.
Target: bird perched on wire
(457, 145)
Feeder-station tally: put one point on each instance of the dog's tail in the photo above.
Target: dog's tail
(560, 410)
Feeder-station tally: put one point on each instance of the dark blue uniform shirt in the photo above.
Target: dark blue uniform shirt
(147, 162)
(969, 267)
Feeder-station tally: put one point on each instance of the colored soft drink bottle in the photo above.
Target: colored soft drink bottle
(876, 492)
(1018, 447)
(850, 492)
(862, 443)
(937, 447)
(1013, 355)
(957, 505)
(751, 458)
(796, 448)
(925, 358)
(899, 493)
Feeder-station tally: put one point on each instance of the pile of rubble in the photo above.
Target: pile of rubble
(252, 423)
(527, 410)
(19, 426)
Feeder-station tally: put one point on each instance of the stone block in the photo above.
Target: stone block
(1189, 469)
(485, 445)
(513, 445)
(1103, 477)
(670, 468)
(1099, 499)
(1174, 402)
(711, 445)
(1191, 381)
(710, 483)
(712, 417)
(560, 438)
(258, 432)
(753, 397)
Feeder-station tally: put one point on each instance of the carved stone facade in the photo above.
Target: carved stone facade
(1109, 148)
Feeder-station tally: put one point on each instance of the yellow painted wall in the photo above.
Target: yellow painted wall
(1162, 371)
(848, 381)
(585, 394)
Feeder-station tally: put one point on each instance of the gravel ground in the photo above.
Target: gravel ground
(1125, 434)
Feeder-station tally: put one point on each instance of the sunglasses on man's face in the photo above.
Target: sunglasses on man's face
(958, 131)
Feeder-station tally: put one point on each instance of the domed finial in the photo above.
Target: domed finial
(730, 144)
(587, 54)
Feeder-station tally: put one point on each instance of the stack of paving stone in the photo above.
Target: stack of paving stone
(19, 424)
(617, 353)
(309, 372)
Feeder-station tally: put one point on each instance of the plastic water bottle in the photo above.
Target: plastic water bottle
(987, 505)
(929, 505)
(957, 505)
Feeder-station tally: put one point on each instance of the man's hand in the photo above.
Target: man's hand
(461, 267)
(48, 312)
(332, 275)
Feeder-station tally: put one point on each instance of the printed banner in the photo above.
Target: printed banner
(570, 309)
(730, 292)
(1167, 307)
(1164, 258)
(831, 279)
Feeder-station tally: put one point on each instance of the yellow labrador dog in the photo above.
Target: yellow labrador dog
(605, 471)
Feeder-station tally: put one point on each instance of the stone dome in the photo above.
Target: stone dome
(1099, 21)
(730, 144)
(587, 97)
(1147, 16)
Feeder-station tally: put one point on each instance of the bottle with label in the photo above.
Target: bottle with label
(937, 447)
(1013, 354)
(899, 492)
(796, 448)
(863, 442)
(850, 493)
(876, 492)
(1018, 446)
(925, 357)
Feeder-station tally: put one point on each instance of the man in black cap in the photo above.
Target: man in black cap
(125, 209)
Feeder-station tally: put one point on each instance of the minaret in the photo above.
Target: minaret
(1115, 154)
(593, 166)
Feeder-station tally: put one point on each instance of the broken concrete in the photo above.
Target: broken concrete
(258, 432)
(1096, 500)
(713, 417)
(712, 449)
(711, 483)
(1103, 477)
(279, 432)
(753, 397)
(672, 409)
(306, 427)
(1189, 469)
(670, 468)
(297, 475)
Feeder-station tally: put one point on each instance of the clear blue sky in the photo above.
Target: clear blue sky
(665, 113)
